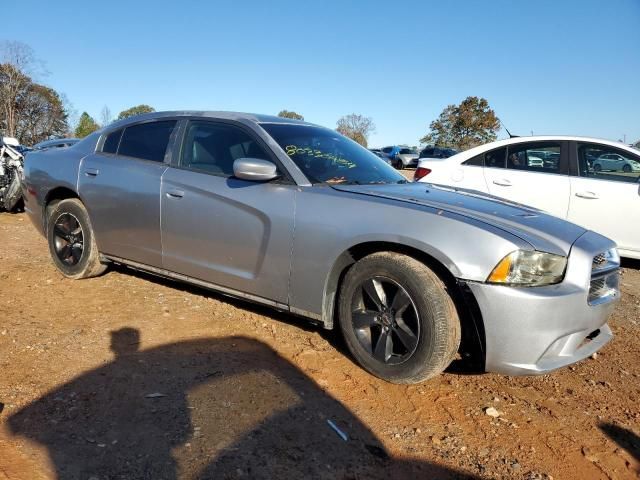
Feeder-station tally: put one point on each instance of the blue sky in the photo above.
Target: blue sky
(551, 67)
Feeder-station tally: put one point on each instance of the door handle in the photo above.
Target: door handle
(502, 183)
(175, 193)
(587, 195)
(91, 172)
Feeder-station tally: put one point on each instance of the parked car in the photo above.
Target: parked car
(295, 216)
(378, 153)
(56, 143)
(588, 181)
(437, 152)
(614, 162)
(400, 156)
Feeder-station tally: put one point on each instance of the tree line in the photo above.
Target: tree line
(33, 112)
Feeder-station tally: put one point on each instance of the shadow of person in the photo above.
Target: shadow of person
(624, 437)
(206, 408)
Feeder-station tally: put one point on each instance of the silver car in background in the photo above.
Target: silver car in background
(297, 217)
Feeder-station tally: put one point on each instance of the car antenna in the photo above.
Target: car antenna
(507, 130)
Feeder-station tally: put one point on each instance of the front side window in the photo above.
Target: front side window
(212, 148)
(147, 141)
(608, 163)
(538, 157)
(325, 156)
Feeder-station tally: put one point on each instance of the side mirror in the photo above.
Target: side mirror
(254, 169)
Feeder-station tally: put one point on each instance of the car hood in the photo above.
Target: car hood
(542, 231)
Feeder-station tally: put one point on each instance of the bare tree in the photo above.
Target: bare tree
(105, 116)
(356, 127)
(18, 63)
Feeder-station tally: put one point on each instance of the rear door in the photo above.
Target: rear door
(120, 186)
(531, 173)
(605, 197)
(222, 230)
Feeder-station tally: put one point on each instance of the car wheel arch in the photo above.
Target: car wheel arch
(473, 342)
(53, 196)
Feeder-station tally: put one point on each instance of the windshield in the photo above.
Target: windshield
(406, 151)
(325, 156)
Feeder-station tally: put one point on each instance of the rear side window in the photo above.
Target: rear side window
(535, 157)
(477, 161)
(111, 143)
(495, 158)
(147, 141)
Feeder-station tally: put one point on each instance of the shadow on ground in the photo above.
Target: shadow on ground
(207, 408)
(624, 437)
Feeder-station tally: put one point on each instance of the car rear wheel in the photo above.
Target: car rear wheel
(597, 167)
(397, 318)
(71, 241)
(399, 164)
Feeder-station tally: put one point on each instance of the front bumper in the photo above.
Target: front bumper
(534, 330)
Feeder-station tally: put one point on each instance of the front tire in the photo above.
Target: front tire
(626, 169)
(399, 164)
(71, 241)
(397, 318)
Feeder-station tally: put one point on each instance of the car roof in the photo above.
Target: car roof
(472, 152)
(221, 115)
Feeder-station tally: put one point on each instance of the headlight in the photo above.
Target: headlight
(529, 269)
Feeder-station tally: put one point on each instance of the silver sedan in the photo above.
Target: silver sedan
(296, 216)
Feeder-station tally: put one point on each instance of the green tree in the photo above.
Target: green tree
(137, 110)
(356, 127)
(86, 125)
(464, 126)
(290, 114)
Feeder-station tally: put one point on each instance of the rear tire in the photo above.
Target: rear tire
(411, 332)
(597, 167)
(399, 164)
(71, 241)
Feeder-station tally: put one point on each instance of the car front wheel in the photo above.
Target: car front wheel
(397, 318)
(71, 241)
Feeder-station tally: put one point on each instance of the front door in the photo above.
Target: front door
(120, 186)
(531, 173)
(229, 232)
(605, 195)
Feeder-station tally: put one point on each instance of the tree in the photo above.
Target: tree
(356, 127)
(290, 114)
(464, 126)
(42, 115)
(29, 111)
(86, 125)
(137, 110)
(17, 62)
(105, 116)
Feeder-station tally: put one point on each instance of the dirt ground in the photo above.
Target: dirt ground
(129, 376)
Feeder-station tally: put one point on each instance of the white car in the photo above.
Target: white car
(571, 177)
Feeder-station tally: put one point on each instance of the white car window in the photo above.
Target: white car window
(608, 163)
(536, 157)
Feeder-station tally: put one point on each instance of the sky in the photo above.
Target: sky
(548, 67)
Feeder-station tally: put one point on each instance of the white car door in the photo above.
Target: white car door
(607, 202)
(531, 173)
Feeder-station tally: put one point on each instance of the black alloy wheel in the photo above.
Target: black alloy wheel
(385, 320)
(68, 239)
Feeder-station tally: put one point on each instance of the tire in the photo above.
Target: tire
(626, 169)
(597, 167)
(13, 195)
(71, 241)
(430, 316)
(399, 164)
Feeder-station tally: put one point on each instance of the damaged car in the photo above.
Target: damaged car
(295, 216)
(11, 163)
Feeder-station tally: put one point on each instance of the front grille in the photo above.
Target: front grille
(605, 278)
